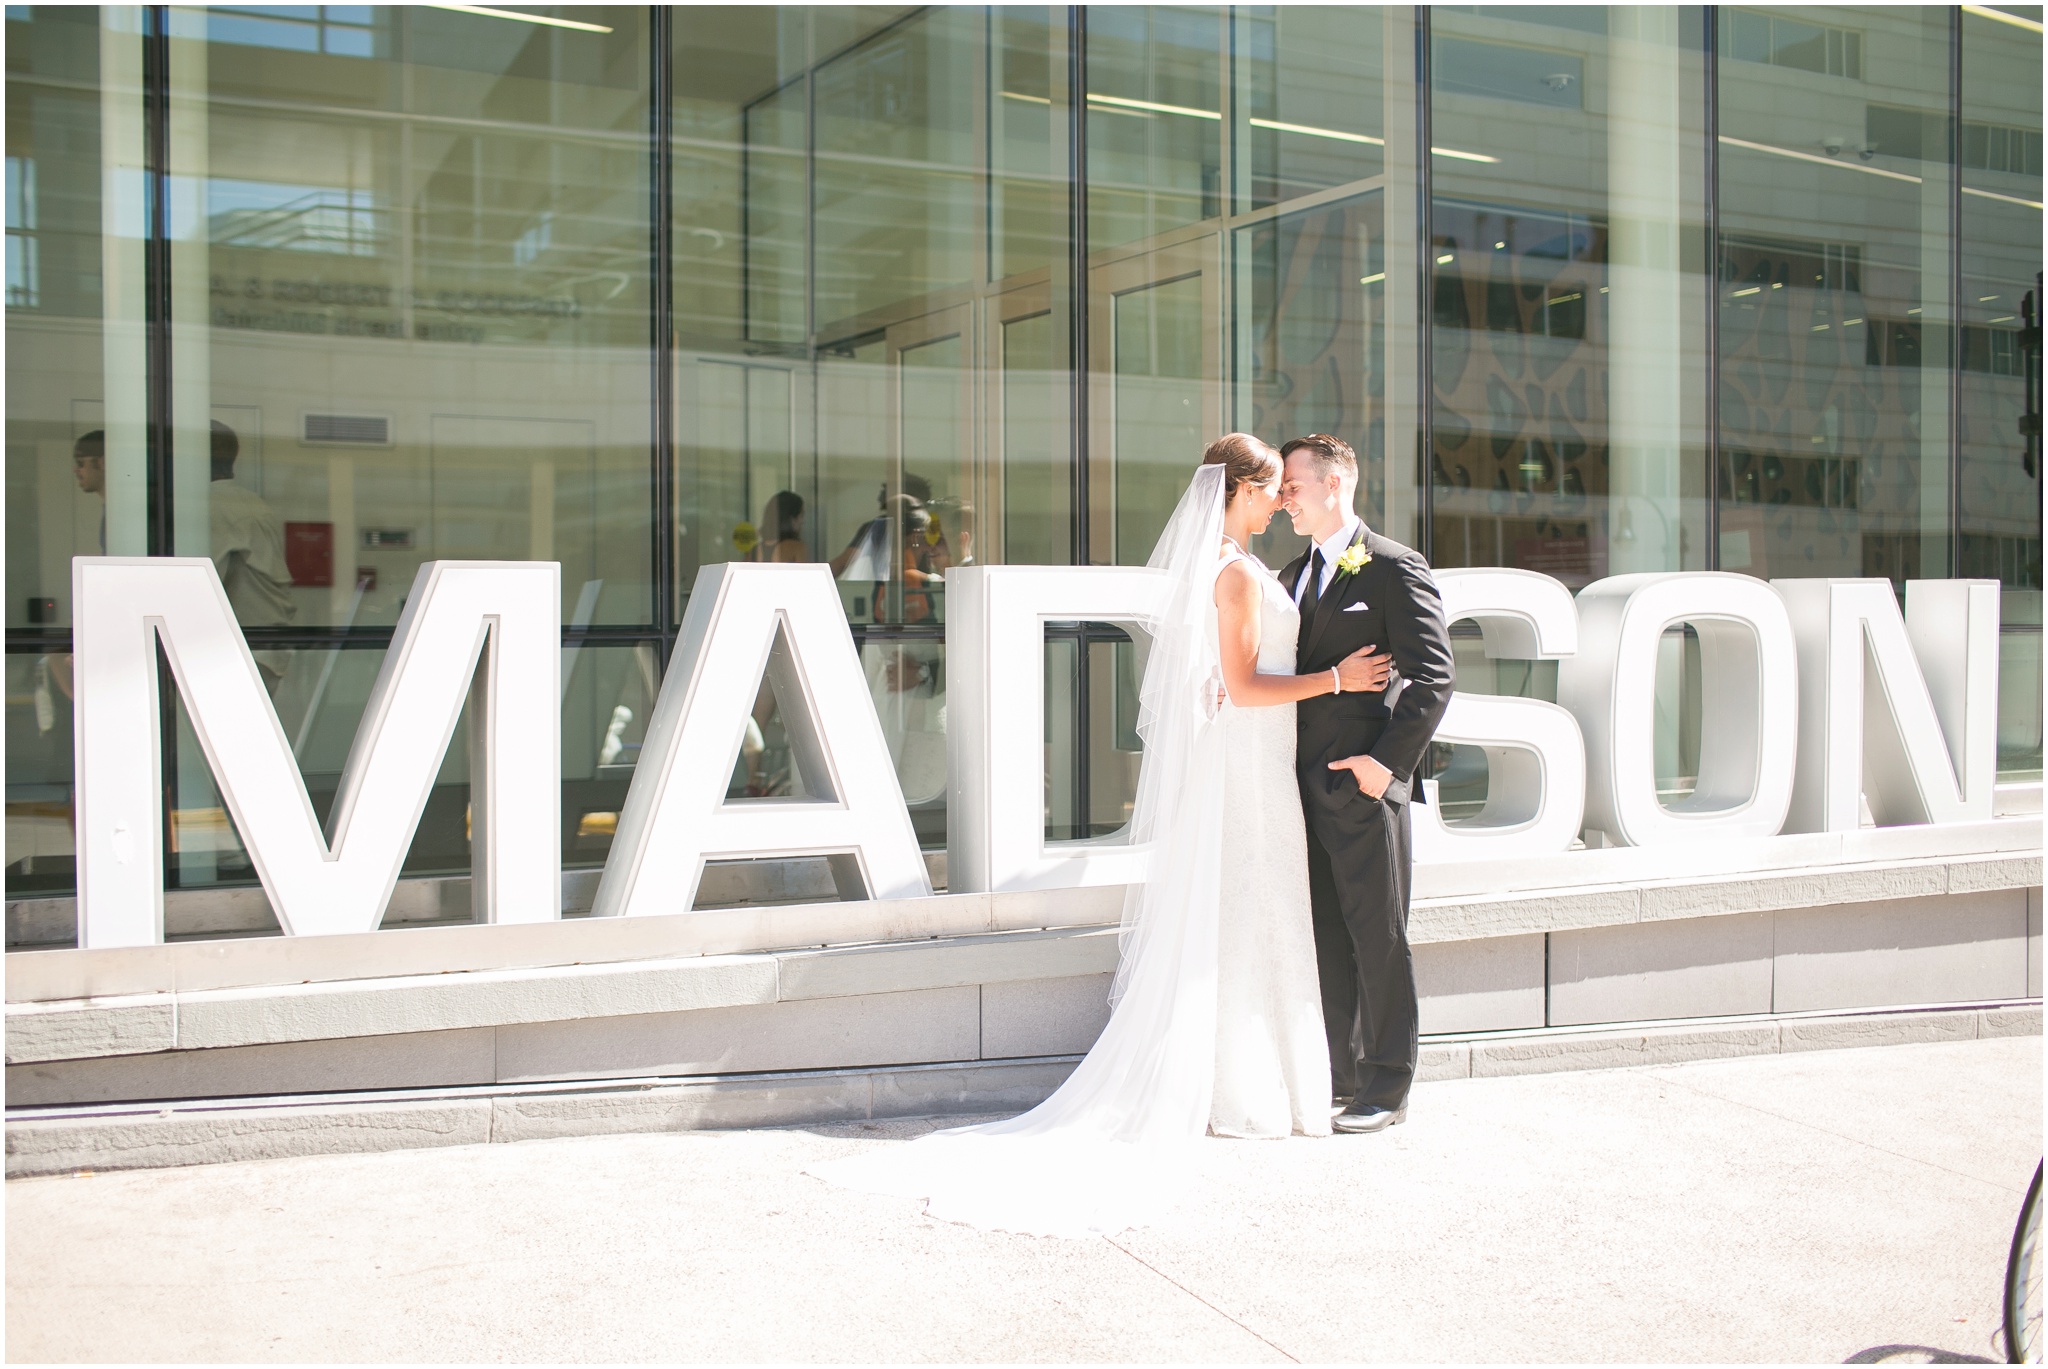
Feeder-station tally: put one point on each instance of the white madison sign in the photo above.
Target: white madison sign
(1817, 694)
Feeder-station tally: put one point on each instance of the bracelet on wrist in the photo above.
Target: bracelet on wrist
(1336, 681)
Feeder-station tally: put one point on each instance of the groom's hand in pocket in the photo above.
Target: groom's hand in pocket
(1372, 777)
(1365, 670)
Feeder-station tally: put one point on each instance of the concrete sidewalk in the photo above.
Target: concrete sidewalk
(1801, 1207)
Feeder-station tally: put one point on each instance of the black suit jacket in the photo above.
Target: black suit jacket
(1391, 602)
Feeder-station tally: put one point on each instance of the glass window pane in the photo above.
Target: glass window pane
(1155, 97)
(1309, 100)
(424, 286)
(76, 482)
(897, 195)
(871, 272)
(1157, 392)
(1566, 301)
(1999, 513)
(1312, 339)
(1835, 309)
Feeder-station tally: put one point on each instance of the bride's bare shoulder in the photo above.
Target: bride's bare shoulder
(1236, 580)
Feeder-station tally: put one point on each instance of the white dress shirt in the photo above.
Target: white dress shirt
(1331, 547)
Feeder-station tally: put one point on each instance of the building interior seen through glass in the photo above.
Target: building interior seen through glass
(323, 293)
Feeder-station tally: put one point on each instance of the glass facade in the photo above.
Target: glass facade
(326, 292)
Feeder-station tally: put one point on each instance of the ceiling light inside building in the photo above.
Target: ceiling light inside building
(486, 12)
(1309, 130)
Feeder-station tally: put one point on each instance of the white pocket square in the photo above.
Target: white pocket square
(1359, 607)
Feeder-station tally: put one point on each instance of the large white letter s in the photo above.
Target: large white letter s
(1535, 758)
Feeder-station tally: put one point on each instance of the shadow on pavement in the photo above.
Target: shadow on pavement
(1913, 1354)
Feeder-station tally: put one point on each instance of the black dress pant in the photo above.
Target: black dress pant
(1359, 861)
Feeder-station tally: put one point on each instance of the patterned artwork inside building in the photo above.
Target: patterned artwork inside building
(1822, 391)
(1519, 459)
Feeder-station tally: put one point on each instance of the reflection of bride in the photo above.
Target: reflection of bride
(904, 681)
(1196, 1040)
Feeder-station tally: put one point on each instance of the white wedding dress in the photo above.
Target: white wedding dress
(1272, 1056)
(1189, 1042)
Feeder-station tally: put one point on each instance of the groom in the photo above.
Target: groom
(1356, 757)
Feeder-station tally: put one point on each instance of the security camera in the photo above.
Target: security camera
(1832, 145)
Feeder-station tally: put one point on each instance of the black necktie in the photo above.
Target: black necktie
(1313, 590)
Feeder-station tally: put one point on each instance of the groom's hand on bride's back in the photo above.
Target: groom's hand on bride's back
(1365, 670)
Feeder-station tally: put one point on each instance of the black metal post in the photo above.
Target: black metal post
(1955, 290)
(159, 433)
(2030, 379)
(1425, 310)
(1077, 316)
(1710, 40)
(661, 176)
(160, 528)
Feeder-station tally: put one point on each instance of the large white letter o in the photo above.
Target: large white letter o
(1749, 727)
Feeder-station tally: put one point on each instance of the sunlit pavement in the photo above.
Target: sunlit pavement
(1794, 1207)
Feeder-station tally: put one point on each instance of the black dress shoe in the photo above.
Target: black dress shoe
(1364, 1117)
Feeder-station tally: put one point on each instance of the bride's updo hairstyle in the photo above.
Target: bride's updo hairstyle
(1244, 459)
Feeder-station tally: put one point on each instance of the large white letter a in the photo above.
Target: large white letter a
(742, 619)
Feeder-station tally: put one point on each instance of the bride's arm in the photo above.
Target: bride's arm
(1237, 639)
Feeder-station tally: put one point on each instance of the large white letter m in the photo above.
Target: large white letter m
(339, 880)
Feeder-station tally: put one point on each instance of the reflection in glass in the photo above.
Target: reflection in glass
(1311, 329)
(1834, 294)
(1160, 425)
(75, 382)
(877, 330)
(1155, 130)
(424, 285)
(1999, 498)
(1309, 100)
(1092, 748)
(897, 197)
(75, 302)
(1567, 422)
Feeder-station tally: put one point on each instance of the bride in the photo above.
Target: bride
(1216, 1017)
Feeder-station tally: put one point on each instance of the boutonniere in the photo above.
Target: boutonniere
(1354, 559)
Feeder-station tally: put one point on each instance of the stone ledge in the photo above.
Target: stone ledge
(425, 1003)
(60, 1139)
(1453, 903)
(845, 971)
(85, 1029)
(1668, 898)
(256, 962)
(211, 1019)
(164, 1138)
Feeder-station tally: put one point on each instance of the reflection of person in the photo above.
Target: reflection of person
(1214, 1023)
(89, 467)
(782, 539)
(916, 561)
(956, 537)
(248, 550)
(782, 529)
(1356, 758)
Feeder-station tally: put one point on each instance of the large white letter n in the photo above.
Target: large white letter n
(340, 880)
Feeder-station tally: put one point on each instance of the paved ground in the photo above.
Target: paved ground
(1801, 1207)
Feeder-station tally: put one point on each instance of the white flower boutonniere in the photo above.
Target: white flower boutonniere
(1354, 559)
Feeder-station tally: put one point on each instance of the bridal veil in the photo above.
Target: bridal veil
(1109, 1148)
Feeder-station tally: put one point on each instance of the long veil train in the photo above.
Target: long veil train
(1107, 1149)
